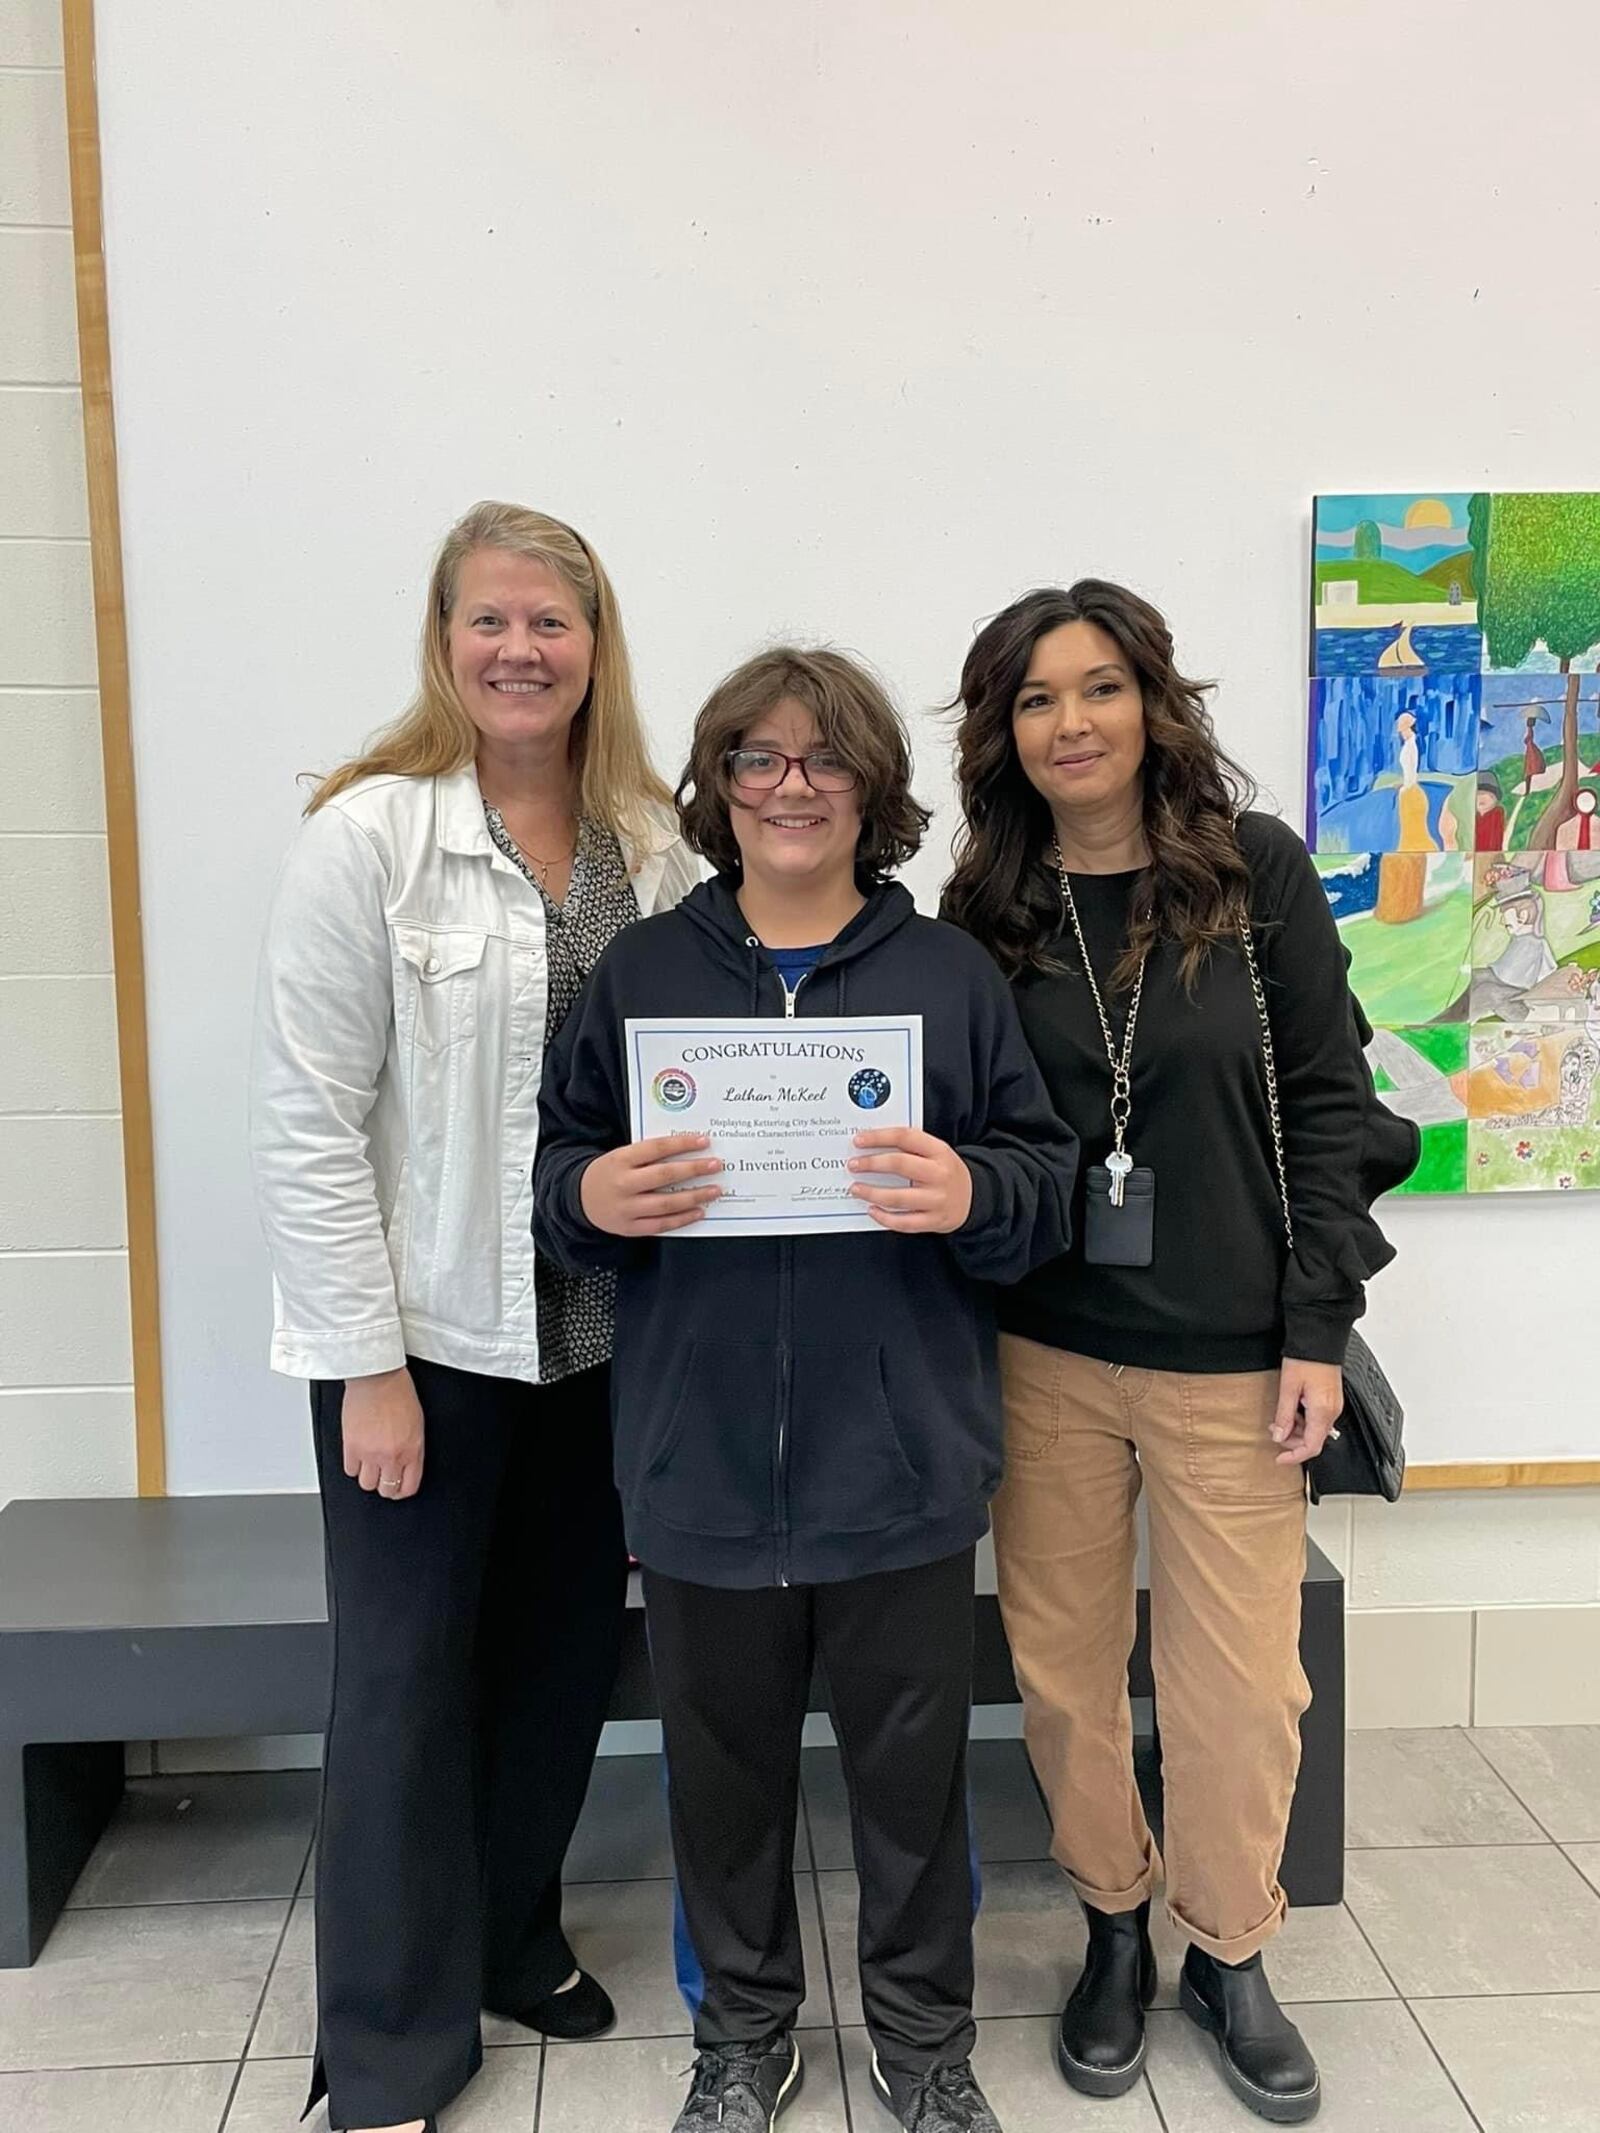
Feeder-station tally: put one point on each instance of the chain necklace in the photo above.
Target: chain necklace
(1119, 1163)
(542, 867)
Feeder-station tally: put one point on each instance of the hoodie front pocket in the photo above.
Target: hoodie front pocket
(711, 1470)
(847, 1466)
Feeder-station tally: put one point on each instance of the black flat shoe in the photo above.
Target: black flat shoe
(1265, 2060)
(584, 2010)
(429, 2125)
(1100, 2044)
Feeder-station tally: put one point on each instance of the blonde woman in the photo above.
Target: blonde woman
(445, 899)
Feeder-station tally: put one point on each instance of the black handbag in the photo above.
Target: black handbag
(1365, 1454)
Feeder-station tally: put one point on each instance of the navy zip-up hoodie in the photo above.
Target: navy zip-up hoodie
(804, 1409)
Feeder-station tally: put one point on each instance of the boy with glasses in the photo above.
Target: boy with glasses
(808, 1427)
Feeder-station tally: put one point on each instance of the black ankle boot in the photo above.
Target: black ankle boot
(1265, 2060)
(1100, 2045)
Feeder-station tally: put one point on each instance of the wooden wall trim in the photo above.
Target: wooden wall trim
(1507, 1474)
(116, 738)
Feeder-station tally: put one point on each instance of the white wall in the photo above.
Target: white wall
(66, 1403)
(848, 320)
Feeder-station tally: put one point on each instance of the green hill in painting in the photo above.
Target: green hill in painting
(1408, 975)
(1383, 584)
(1462, 567)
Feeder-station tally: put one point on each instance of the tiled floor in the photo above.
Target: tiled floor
(1457, 1988)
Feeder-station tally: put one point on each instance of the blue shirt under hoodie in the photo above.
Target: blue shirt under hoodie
(804, 1409)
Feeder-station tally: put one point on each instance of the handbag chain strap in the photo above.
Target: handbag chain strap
(1270, 1061)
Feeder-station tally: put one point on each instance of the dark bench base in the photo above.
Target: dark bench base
(204, 1617)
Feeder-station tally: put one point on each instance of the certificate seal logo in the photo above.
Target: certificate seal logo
(869, 1089)
(673, 1089)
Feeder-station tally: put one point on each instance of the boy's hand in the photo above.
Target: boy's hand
(628, 1193)
(938, 1198)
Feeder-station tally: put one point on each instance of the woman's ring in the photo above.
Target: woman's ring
(392, 1488)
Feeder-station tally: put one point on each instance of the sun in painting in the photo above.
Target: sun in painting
(1427, 511)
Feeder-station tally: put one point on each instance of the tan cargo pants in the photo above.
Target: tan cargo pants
(1227, 1555)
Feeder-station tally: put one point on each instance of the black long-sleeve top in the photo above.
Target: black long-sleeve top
(1223, 1293)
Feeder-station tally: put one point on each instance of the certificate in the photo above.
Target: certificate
(782, 1102)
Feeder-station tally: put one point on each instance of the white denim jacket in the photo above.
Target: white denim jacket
(399, 1042)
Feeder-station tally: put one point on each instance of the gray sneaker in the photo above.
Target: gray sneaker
(741, 2088)
(947, 2099)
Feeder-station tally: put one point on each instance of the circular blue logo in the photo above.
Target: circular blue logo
(869, 1089)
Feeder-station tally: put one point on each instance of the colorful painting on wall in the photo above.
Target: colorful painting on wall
(1453, 787)
(1395, 586)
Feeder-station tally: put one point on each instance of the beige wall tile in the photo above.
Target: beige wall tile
(59, 1047)
(1481, 1548)
(43, 495)
(67, 1443)
(1410, 1667)
(1537, 1666)
(46, 615)
(61, 1186)
(30, 33)
(38, 308)
(258, 1751)
(55, 906)
(33, 149)
(51, 776)
(64, 1319)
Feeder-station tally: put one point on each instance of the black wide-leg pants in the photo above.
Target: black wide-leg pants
(732, 1672)
(476, 1628)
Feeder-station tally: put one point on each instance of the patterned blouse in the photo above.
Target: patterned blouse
(575, 1311)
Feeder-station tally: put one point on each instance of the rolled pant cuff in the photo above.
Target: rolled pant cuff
(1241, 1946)
(1113, 1901)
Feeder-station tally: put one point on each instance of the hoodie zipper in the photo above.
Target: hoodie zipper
(786, 1345)
(785, 1333)
(785, 1316)
(785, 1395)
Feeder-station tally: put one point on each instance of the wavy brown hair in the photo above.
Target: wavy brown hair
(854, 717)
(1004, 890)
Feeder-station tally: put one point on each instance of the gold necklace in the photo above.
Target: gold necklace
(541, 866)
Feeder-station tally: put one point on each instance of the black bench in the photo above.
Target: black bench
(203, 1617)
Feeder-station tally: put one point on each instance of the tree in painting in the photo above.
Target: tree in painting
(1542, 585)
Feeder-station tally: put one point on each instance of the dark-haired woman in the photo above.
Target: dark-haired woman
(1154, 935)
(808, 1428)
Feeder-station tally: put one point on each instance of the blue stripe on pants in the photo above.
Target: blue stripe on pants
(686, 1964)
(972, 1853)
